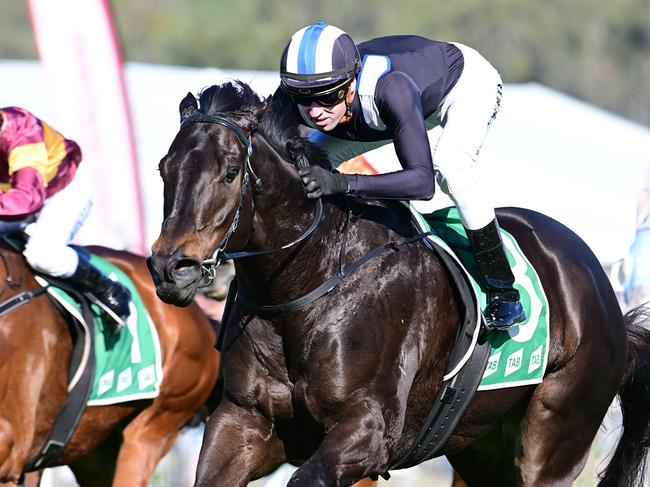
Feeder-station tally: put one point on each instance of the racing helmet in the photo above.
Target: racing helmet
(318, 63)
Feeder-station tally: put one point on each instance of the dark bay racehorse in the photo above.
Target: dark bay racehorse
(342, 384)
(35, 348)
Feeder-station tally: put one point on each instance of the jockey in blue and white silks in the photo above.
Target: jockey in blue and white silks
(396, 89)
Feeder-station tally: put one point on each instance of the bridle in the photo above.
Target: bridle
(209, 266)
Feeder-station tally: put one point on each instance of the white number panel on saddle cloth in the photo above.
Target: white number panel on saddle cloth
(519, 355)
(128, 365)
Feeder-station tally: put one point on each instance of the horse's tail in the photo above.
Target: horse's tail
(627, 466)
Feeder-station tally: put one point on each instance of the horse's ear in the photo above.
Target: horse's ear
(188, 106)
(251, 116)
(259, 111)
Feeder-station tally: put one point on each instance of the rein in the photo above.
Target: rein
(22, 298)
(301, 162)
(210, 265)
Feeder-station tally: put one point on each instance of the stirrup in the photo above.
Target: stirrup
(119, 322)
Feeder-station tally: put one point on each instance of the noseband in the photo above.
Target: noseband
(209, 266)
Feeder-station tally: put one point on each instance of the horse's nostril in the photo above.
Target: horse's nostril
(182, 264)
(155, 276)
(186, 268)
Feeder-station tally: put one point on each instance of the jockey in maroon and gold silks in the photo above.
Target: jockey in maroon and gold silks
(36, 162)
(40, 175)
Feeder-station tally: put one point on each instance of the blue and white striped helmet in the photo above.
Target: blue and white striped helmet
(317, 60)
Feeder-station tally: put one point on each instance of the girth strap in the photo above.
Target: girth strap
(458, 390)
(74, 406)
(82, 360)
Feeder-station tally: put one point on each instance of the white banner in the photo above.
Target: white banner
(87, 102)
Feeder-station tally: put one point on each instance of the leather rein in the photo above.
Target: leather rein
(210, 265)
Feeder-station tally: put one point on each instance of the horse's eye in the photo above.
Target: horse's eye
(231, 173)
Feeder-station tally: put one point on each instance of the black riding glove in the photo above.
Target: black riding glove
(321, 182)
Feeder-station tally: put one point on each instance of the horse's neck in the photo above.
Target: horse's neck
(282, 214)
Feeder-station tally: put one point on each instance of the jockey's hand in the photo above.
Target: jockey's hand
(321, 182)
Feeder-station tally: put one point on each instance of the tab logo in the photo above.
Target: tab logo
(514, 362)
(492, 365)
(535, 359)
(146, 377)
(124, 380)
(105, 382)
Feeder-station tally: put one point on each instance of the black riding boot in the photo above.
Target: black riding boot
(503, 308)
(113, 294)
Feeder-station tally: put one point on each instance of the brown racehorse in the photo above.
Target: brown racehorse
(117, 445)
(341, 382)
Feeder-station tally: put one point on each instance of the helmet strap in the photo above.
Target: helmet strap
(349, 98)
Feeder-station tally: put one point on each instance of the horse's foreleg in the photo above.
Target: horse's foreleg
(145, 441)
(33, 479)
(8, 465)
(97, 467)
(366, 483)
(353, 449)
(239, 445)
(458, 481)
(15, 441)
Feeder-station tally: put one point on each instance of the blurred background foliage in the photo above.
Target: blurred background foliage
(595, 50)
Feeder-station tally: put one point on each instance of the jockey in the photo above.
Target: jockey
(397, 89)
(40, 174)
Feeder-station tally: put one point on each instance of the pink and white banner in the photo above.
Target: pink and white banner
(87, 102)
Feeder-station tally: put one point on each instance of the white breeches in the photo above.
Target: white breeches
(59, 220)
(456, 133)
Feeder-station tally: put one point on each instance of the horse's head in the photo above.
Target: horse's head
(208, 186)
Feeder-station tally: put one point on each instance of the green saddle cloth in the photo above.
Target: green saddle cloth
(519, 355)
(128, 364)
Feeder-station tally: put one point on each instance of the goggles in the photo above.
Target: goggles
(329, 97)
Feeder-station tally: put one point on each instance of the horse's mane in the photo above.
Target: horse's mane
(231, 96)
(277, 124)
